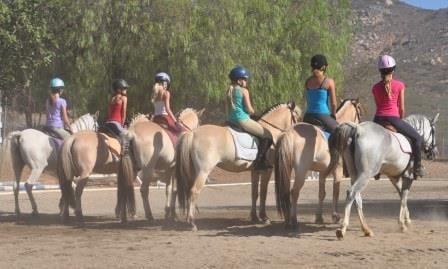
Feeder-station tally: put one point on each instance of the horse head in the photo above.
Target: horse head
(281, 116)
(190, 117)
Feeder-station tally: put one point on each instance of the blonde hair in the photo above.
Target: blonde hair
(387, 80)
(157, 92)
(230, 91)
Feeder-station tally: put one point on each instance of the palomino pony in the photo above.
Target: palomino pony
(305, 148)
(369, 149)
(200, 151)
(81, 155)
(148, 148)
(39, 151)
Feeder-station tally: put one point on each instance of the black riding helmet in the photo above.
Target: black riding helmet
(120, 84)
(318, 61)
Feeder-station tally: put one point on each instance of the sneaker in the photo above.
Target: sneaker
(418, 172)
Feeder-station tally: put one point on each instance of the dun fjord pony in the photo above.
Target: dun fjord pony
(305, 148)
(38, 151)
(81, 155)
(369, 149)
(147, 148)
(208, 146)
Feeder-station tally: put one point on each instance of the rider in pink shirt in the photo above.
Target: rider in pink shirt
(389, 100)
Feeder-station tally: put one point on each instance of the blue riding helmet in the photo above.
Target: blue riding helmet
(57, 83)
(162, 76)
(238, 72)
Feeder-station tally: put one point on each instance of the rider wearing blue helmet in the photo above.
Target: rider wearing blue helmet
(239, 109)
(57, 116)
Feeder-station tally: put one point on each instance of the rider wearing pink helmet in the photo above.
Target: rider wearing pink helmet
(389, 100)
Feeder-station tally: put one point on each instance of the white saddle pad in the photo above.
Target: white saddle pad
(403, 141)
(246, 147)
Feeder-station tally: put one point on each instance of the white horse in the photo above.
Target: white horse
(369, 149)
(38, 151)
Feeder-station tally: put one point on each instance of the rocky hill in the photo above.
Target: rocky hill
(417, 39)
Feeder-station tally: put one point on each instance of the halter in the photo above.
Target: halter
(429, 150)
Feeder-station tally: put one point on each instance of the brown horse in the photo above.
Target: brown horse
(148, 148)
(81, 155)
(305, 148)
(200, 151)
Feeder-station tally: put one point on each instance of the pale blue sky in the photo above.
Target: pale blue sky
(428, 4)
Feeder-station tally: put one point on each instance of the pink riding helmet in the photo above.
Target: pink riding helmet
(386, 61)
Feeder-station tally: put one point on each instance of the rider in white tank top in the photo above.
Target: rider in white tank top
(159, 108)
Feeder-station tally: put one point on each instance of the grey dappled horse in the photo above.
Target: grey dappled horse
(38, 151)
(369, 149)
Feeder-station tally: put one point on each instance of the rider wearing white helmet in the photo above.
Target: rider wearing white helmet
(57, 116)
(390, 108)
(161, 97)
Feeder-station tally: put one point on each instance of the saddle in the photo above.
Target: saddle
(320, 126)
(173, 135)
(109, 130)
(402, 140)
(246, 145)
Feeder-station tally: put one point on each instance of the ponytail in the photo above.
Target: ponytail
(230, 91)
(387, 80)
(157, 92)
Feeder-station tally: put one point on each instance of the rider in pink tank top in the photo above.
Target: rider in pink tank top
(388, 105)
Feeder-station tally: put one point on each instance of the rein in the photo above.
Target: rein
(293, 121)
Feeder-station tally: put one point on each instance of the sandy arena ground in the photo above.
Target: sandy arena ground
(226, 238)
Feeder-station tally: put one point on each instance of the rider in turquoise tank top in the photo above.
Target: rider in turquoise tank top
(238, 111)
(317, 100)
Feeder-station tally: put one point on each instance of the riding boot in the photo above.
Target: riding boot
(261, 162)
(418, 169)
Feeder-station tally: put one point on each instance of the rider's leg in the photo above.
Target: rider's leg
(416, 142)
(254, 128)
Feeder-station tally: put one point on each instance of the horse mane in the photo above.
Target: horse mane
(272, 108)
(345, 101)
(138, 117)
(186, 110)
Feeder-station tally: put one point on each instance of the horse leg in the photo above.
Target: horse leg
(337, 177)
(254, 190)
(170, 192)
(144, 191)
(298, 184)
(364, 226)
(404, 211)
(78, 193)
(263, 194)
(319, 218)
(16, 187)
(199, 183)
(32, 179)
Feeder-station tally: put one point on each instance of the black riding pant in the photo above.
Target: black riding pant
(324, 120)
(407, 130)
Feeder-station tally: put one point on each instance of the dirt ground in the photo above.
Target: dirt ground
(226, 238)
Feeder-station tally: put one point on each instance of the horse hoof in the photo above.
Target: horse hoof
(319, 219)
(339, 234)
(368, 233)
(266, 221)
(194, 229)
(336, 218)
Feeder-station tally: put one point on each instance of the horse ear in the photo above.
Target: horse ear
(341, 100)
(436, 118)
(292, 105)
(96, 115)
(200, 112)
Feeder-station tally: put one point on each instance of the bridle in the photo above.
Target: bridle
(430, 150)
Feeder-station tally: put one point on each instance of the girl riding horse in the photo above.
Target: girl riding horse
(239, 109)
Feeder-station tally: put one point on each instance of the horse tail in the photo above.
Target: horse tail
(283, 167)
(125, 177)
(342, 137)
(184, 169)
(11, 156)
(65, 167)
